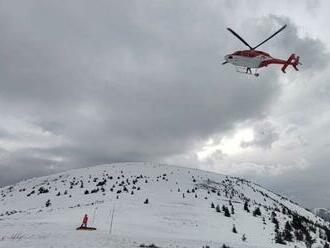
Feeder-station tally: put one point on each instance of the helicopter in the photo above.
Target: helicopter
(247, 60)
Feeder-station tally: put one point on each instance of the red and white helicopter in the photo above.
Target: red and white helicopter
(247, 60)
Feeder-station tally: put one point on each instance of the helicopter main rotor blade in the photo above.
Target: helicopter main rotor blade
(270, 37)
(239, 37)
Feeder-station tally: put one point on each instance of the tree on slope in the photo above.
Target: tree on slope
(279, 238)
(309, 241)
(257, 212)
(299, 235)
(287, 235)
(288, 226)
(218, 208)
(226, 211)
(234, 229)
(246, 206)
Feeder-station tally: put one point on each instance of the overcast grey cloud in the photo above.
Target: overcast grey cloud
(264, 136)
(85, 83)
(122, 82)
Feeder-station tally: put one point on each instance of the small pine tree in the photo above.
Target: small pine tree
(226, 211)
(279, 238)
(287, 235)
(246, 206)
(86, 192)
(232, 209)
(48, 203)
(212, 205)
(257, 212)
(277, 226)
(299, 235)
(309, 241)
(42, 190)
(244, 237)
(327, 233)
(297, 222)
(275, 221)
(234, 229)
(218, 209)
(288, 226)
(146, 201)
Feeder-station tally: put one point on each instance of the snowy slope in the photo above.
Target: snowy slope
(178, 213)
(323, 213)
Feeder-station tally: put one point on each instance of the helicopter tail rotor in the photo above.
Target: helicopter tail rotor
(292, 60)
(296, 63)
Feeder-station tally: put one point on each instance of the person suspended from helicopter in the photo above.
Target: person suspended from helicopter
(254, 59)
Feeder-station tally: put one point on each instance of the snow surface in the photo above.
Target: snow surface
(323, 213)
(172, 218)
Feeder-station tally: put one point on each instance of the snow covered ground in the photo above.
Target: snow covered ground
(178, 213)
(323, 213)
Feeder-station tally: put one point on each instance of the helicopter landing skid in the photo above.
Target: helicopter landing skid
(247, 71)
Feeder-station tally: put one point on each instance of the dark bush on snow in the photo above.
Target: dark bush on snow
(42, 190)
(149, 246)
(257, 212)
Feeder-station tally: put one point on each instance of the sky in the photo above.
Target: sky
(84, 83)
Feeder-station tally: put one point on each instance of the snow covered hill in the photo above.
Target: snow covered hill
(323, 213)
(156, 204)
